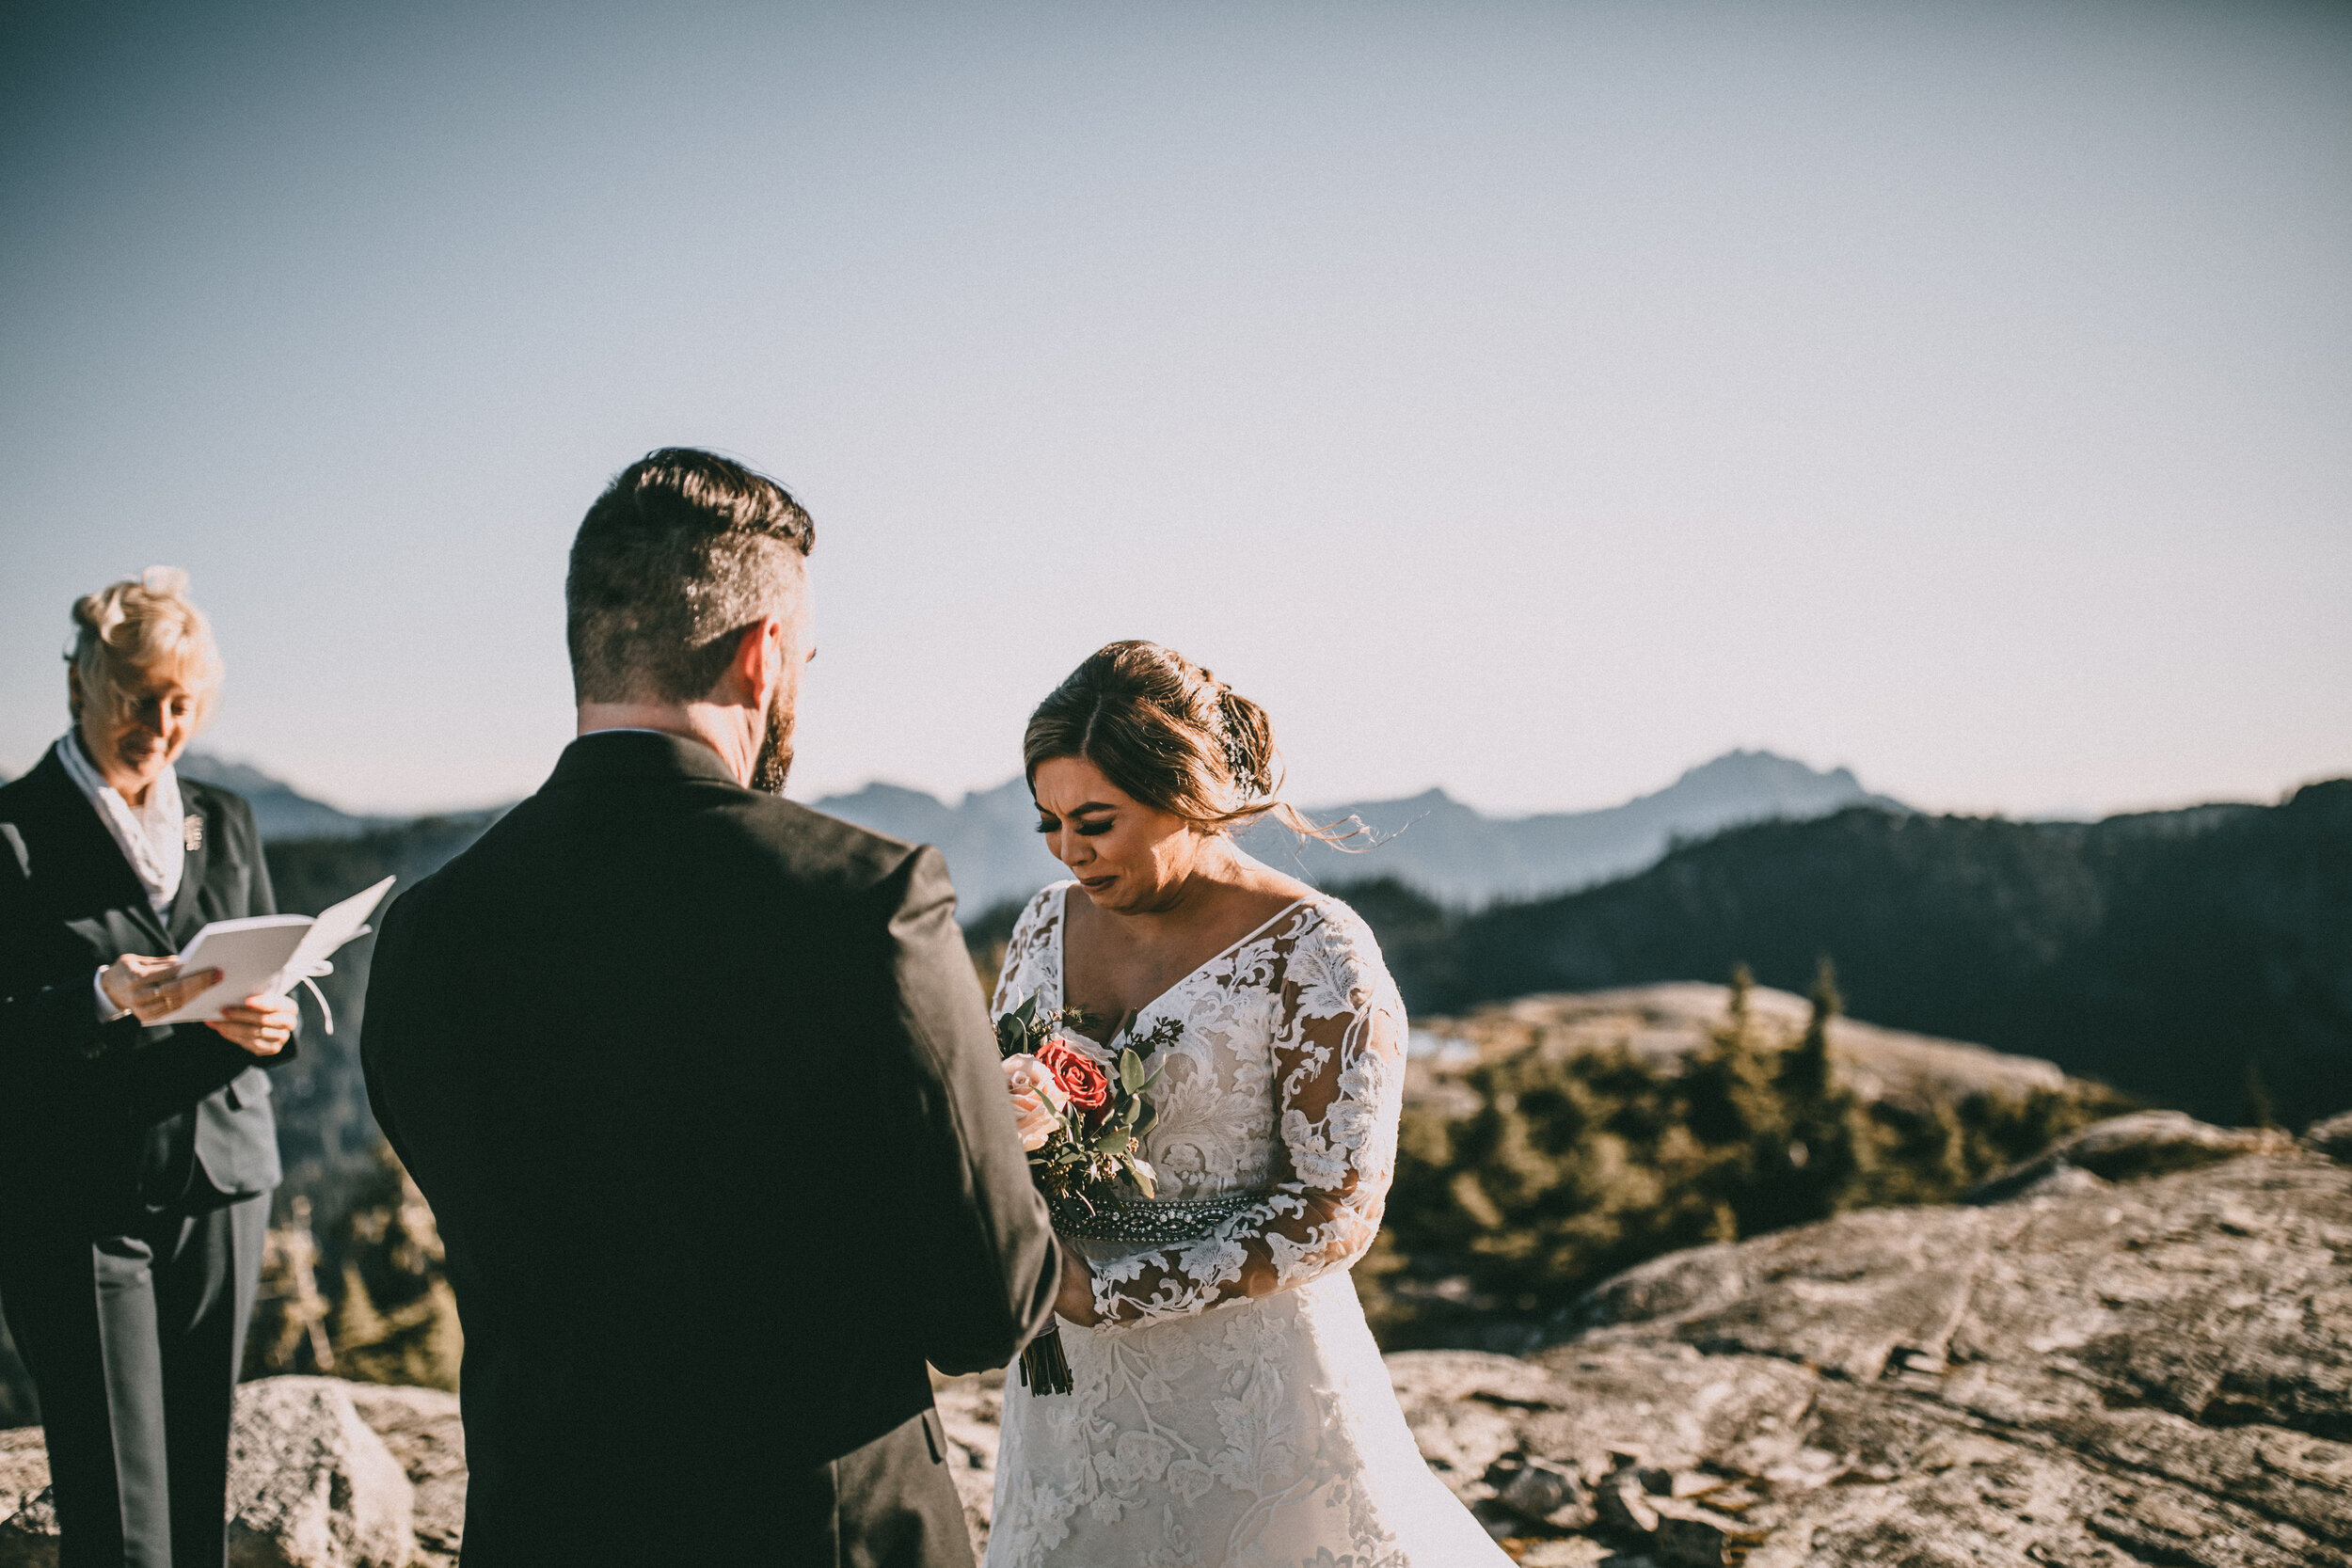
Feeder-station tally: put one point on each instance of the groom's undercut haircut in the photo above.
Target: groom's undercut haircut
(682, 552)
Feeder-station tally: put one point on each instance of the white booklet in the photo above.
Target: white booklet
(265, 955)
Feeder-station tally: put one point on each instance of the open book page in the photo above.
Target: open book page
(266, 955)
(336, 925)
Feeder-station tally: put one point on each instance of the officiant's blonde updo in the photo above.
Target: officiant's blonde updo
(1167, 731)
(141, 627)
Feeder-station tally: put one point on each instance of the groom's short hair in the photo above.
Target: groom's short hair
(679, 554)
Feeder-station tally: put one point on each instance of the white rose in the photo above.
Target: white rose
(1037, 1099)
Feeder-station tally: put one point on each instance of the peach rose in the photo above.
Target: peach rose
(1037, 1099)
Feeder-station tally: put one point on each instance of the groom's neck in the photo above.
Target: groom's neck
(718, 725)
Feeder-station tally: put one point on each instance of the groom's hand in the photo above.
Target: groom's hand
(1075, 1300)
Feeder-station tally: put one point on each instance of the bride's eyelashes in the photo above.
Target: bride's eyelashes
(1085, 830)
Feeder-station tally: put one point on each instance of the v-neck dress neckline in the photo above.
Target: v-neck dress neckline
(1061, 963)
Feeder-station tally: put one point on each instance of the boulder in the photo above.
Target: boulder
(971, 1412)
(2121, 1148)
(426, 1434)
(310, 1485)
(2331, 1137)
(23, 1468)
(29, 1523)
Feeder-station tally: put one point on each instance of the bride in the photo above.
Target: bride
(1229, 1405)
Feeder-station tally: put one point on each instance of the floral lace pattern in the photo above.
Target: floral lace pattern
(1233, 1408)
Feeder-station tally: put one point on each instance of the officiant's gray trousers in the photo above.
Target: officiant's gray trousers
(133, 1342)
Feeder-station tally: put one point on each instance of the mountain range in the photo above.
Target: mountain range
(1450, 851)
(279, 811)
(2200, 959)
(1453, 852)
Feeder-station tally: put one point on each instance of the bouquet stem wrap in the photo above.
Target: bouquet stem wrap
(1044, 1369)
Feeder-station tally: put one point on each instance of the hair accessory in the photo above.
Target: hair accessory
(1236, 754)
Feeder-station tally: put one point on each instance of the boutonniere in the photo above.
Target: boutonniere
(192, 833)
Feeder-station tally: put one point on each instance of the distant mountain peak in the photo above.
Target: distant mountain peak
(1431, 841)
(280, 812)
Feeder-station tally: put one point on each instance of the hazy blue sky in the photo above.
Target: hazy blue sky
(1530, 399)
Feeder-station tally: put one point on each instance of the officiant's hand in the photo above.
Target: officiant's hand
(262, 1024)
(152, 987)
(1075, 1300)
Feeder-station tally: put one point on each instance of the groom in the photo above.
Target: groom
(701, 1089)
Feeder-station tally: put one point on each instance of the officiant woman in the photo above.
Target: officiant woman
(135, 1159)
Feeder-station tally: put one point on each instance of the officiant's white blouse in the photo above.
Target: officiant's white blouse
(152, 835)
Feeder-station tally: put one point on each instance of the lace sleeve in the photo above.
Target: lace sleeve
(1339, 1067)
(1026, 951)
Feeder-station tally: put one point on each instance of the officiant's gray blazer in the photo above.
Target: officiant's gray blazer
(702, 1090)
(99, 1124)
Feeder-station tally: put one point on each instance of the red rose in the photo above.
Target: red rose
(1087, 1085)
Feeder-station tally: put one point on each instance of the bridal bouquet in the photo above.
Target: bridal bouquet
(1082, 1125)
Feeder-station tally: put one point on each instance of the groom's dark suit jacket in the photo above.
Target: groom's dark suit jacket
(701, 1089)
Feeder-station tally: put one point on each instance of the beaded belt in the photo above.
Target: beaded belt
(1131, 1219)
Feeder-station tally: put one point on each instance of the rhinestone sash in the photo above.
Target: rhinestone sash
(1146, 1220)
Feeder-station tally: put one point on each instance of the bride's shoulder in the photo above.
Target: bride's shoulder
(1340, 931)
(1032, 938)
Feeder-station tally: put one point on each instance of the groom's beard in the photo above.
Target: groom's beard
(775, 750)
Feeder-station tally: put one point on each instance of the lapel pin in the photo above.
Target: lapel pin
(192, 833)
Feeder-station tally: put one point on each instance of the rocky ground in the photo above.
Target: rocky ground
(322, 1474)
(2155, 1370)
(2135, 1350)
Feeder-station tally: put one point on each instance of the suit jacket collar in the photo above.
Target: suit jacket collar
(82, 842)
(612, 755)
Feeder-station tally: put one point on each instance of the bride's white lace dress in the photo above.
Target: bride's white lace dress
(1233, 1408)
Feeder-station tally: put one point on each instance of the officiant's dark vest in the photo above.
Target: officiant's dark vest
(100, 1124)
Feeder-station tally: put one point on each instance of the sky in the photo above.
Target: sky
(1530, 399)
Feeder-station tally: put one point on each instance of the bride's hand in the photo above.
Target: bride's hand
(1076, 1298)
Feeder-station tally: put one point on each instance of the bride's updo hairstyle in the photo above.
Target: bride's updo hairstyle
(1167, 733)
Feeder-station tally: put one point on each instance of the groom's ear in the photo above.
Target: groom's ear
(752, 672)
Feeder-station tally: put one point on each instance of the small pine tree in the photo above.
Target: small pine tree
(2256, 1109)
(1731, 1102)
(1814, 1170)
(1808, 1074)
(359, 1327)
